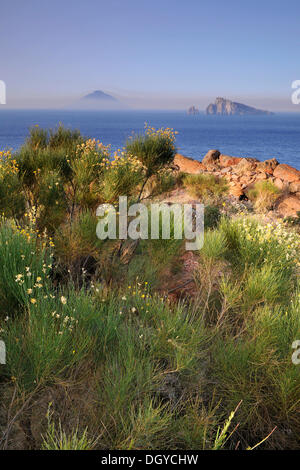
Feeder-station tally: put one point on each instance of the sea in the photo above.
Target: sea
(261, 137)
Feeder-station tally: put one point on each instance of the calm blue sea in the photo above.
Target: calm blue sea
(261, 137)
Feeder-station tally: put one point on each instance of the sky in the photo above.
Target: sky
(165, 54)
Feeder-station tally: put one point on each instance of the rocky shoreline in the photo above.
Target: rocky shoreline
(242, 174)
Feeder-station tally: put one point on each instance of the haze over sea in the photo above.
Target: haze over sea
(262, 137)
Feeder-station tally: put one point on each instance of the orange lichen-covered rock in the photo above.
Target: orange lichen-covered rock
(268, 166)
(188, 165)
(227, 160)
(287, 173)
(289, 205)
(211, 158)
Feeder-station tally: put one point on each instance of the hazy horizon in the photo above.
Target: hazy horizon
(148, 103)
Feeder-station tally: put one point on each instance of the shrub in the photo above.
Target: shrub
(264, 195)
(25, 263)
(155, 150)
(121, 178)
(265, 285)
(205, 187)
(12, 200)
(215, 245)
(87, 166)
(252, 243)
(38, 138)
(55, 139)
(212, 217)
(62, 175)
(161, 183)
(77, 248)
(62, 138)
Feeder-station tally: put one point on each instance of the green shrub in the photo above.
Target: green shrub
(161, 183)
(212, 217)
(214, 245)
(25, 263)
(264, 195)
(155, 150)
(205, 187)
(55, 139)
(252, 243)
(62, 138)
(12, 200)
(62, 175)
(121, 178)
(265, 285)
(75, 244)
(38, 138)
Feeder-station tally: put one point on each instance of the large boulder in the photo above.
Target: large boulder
(188, 165)
(246, 165)
(295, 187)
(211, 158)
(287, 173)
(289, 206)
(227, 160)
(282, 185)
(268, 166)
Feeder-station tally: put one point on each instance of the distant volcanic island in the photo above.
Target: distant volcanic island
(227, 108)
(99, 95)
(97, 100)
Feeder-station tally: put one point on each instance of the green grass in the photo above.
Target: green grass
(205, 187)
(264, 195)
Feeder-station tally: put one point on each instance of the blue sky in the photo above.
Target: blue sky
(166, 53)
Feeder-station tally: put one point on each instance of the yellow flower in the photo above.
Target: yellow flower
(33, 301)
(63, 300)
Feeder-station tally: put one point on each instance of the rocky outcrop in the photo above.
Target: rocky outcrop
(211, 157)
(227, 160)
(193, 110)
(246, 165)
(267, 166)
(188, 165)
(287, 173)
(242, 174)
(223, 107)
(289, 205)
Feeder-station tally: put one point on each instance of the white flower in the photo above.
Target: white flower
(63, 300)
